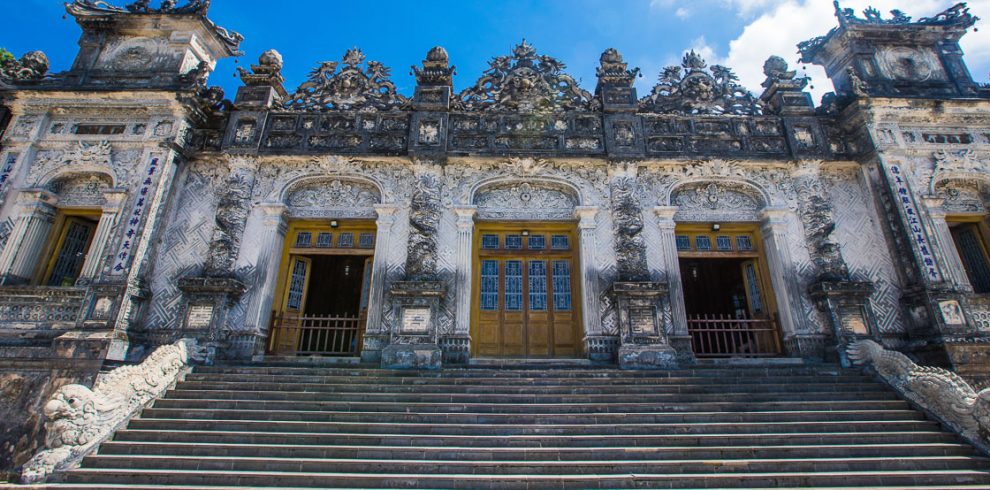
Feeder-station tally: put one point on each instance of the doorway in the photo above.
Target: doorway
(322, 299)
(728, 304)
(524, 291)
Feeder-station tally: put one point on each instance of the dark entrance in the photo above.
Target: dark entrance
(726, 310)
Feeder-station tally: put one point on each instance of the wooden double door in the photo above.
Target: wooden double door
(525, 293)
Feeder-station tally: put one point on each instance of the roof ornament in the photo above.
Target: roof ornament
(349, 88)
(691, 89)
(193, 7)
(31, 67)
(436, 69)
(613, 70)
(525, 82)
(873, 16)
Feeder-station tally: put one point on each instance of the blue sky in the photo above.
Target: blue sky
(650, 33)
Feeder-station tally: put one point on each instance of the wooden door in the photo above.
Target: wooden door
(524, 300)
(293, 304)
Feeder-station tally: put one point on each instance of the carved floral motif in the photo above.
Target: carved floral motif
(350, 88)
(333, 194)
(535, 200)
(525, 82)
(697, 91)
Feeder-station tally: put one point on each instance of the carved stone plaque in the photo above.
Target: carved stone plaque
(416, 321)
(642, 321)
(853, 321)
(951, 312)
(200, 316)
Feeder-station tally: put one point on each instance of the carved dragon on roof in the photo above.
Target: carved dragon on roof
(525, 82)
(349, 88)
(691, 89)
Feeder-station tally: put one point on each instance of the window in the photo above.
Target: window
(324, 240)
(513, 242)
(538, 285)
(489, 242)
(723, 243)
(537, 242)
(489, 285)
(346, 240)
(560, 242)
(562, 285)
(703, 243)
(304, 239)
(971, 245)
(367, 240)
(683, 243)
(513, 285)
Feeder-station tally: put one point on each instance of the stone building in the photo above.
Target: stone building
(521, 217)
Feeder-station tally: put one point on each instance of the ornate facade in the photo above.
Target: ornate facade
(522, 216)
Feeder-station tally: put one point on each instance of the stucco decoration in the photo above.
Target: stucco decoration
(350, 88)
(942, 393)
(525, 82)
(233, 208)
(718, 201)
(82, 157)
(81, 189)
(532, 199)
(31, 66)
(424, 220)
(953, 165)
(339, 198)
(963, 196)
(697, 91)
(816, 212)
(630, 248)
(80, 418)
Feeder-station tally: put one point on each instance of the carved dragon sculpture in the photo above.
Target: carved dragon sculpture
(79, 418)
(943, 393)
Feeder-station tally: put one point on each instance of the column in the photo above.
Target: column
(782, 274)
(259, 308)
(942, 237)
(22, 254)
(465, 262)
(114, 202)
(596, 346)
(379, 268)
(672, 266)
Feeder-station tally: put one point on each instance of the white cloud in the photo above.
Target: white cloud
(682, 13)
(779, 29)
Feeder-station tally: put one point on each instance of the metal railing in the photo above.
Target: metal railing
(720, 335)
(316, 335)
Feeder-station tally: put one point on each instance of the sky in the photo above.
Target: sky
(650, 34)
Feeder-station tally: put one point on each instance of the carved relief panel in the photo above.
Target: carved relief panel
(526, 201)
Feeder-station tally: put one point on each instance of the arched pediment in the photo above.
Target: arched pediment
(81, 189)
(717, 201)
(529, 200)
(333, 198)
(964, 196)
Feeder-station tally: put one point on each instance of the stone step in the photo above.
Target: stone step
(585, 374)
(283, 450)
(531, 429)
(533, 408)
(491, 481)
(707, 440)
(588, 467)
(584, 389)
(524, 381)
(103, 486)
(538, 399)
(546, 418)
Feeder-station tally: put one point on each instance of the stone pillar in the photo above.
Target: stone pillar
(798, 341)
(375, 337)
(954, 270)
(680, 338)
(456, 348)
(259, 309)
(598, 346)
(22, 254)
(114, 203)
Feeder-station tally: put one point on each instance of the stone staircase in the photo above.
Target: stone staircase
(349, 427)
